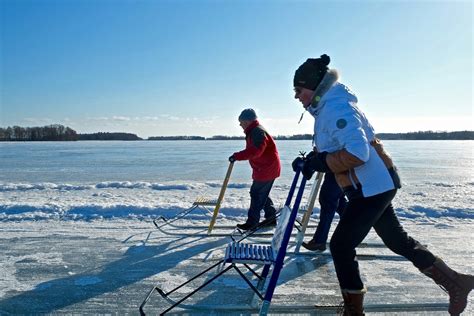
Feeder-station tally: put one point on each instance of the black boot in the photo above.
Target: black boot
(457, 285)
(246, 226)
(314, 246)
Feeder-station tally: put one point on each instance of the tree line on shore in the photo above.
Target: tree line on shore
(53, 132)
(428, 135)
(57, 132)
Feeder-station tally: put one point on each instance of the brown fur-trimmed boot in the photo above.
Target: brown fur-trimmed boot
(457, 285)
(353, 302)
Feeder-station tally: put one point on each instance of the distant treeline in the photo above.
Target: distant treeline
(53, 132)
(428, 135)
(176, 138)
(109, 136)
(295, 137)
(223, 137)
(57, 132)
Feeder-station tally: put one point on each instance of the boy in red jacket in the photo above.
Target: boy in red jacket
(262, 154)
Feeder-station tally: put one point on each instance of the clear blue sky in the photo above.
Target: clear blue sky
(189, 67)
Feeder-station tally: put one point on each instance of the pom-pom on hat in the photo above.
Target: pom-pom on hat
(311, 72)
(248, 115)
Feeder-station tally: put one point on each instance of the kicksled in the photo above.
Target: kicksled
(212, 207)
(201, 203)
(240, 255)
(260, 266)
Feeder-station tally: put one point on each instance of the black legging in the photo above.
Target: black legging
(360, 215)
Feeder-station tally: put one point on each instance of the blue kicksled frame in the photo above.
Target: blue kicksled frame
(245, 254)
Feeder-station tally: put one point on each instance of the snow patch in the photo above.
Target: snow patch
(4, 187)
(230, 185)
(421, 211)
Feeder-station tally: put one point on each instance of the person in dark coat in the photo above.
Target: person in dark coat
(262, 154)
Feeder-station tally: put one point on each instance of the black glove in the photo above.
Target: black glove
(307, 170)
(232, 158)
(297, 163)
(317, 162)
(310, 155)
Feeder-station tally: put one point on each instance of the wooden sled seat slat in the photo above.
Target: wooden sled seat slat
(205, 202)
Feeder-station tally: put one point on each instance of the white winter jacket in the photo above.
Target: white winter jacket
(355, 155)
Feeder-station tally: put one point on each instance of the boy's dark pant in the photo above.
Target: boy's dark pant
(331, 200)
(259, 199)
(360, 215)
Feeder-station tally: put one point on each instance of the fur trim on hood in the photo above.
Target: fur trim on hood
(328, 81)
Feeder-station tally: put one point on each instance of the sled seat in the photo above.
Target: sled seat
(240, 252)
(249, 253)
(203, 201)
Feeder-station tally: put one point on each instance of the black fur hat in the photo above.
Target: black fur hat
(311, 72)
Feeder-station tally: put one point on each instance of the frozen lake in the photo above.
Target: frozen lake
(84, 180)
(77, 238)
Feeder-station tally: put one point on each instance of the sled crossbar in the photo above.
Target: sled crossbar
(238, 253)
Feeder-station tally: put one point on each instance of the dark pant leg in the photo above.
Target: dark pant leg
(388, 227)
(270, 210)
(331, 199)
(259, 192)
(342, 204)
(355, 223)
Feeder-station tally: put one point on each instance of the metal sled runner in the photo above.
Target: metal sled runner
(245, 254)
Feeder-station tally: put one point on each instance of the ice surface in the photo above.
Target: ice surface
(108, 266)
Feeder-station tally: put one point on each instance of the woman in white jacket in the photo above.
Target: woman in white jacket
(346, 145)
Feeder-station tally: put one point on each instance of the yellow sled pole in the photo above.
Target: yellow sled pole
(221, 197)
(309, 211)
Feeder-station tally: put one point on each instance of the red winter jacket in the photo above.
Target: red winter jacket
(261, 152)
